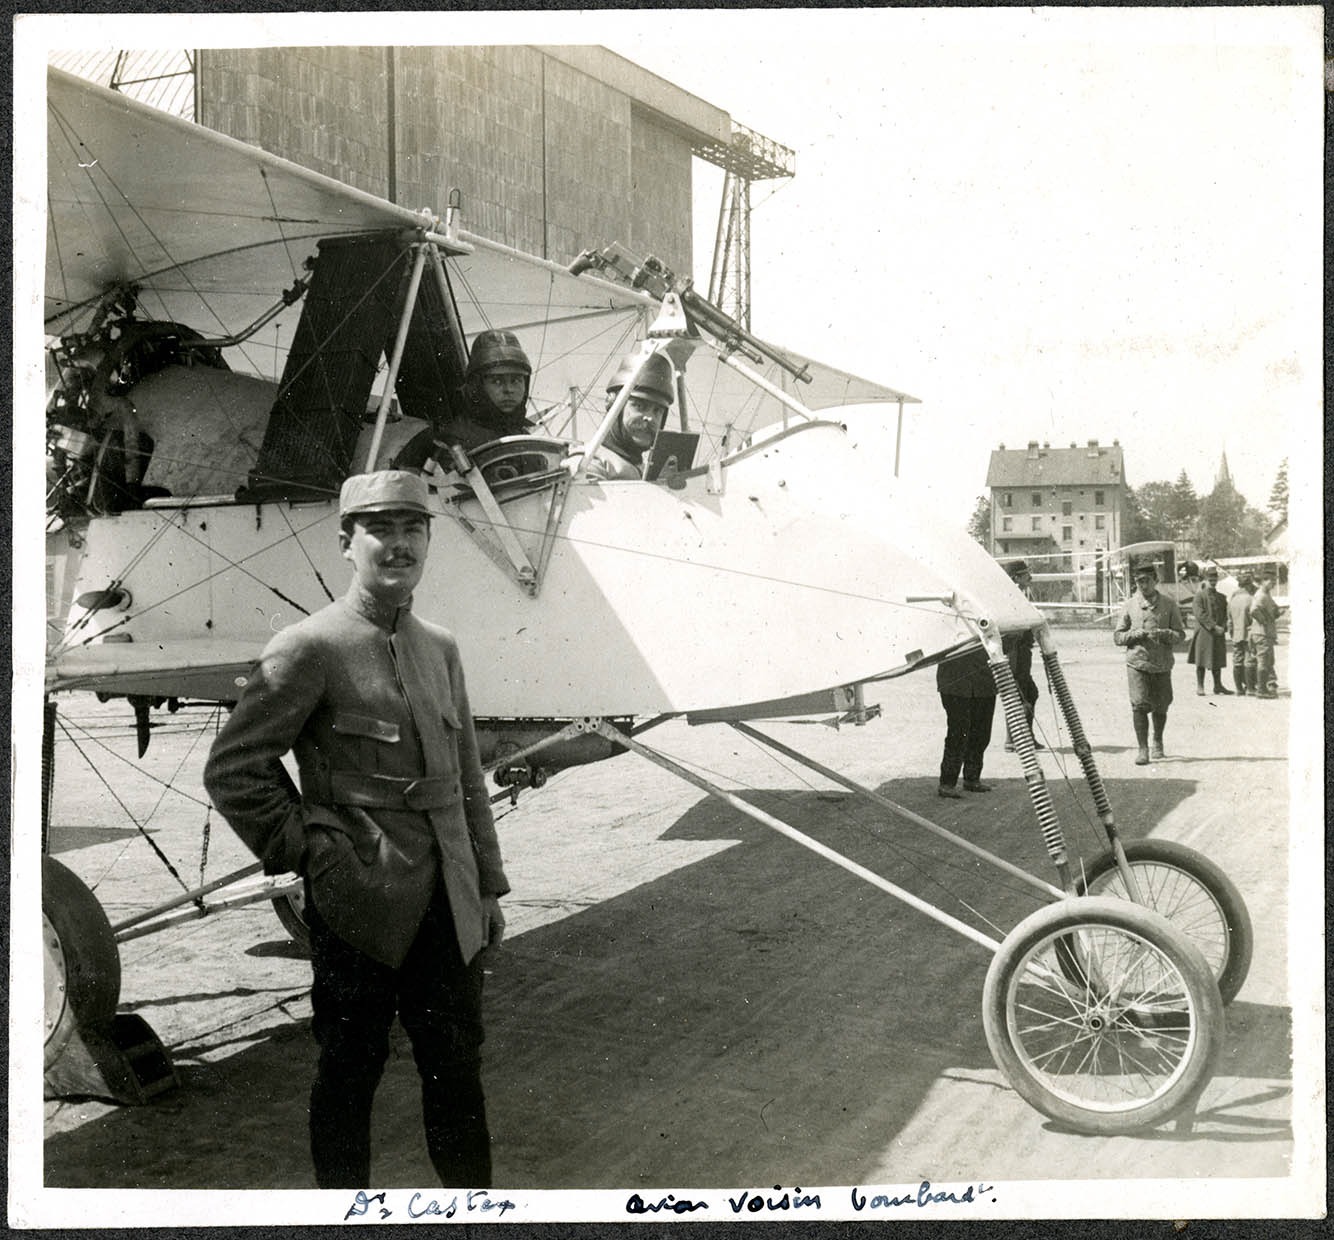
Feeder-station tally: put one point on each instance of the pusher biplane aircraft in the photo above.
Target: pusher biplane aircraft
(231, 335)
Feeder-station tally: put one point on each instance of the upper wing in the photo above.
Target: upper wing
(209, 228)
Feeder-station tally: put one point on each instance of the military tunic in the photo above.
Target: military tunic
(371, 700)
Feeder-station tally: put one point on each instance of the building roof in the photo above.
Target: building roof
(1277, 538)
(1040, 465)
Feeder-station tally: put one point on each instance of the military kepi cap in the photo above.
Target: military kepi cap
(384, 490)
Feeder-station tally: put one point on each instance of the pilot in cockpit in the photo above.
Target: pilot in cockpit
(494, 401)
(621, 454)
(496, 384)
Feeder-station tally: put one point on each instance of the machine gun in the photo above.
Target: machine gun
(656, 279)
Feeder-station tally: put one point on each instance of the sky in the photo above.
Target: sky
(1058, 225)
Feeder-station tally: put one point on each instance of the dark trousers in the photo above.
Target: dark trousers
(967, 735)
(1241, 656)
(1262, 659)
(438, 1000)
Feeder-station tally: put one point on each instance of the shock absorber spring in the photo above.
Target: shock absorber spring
(1016, 719)
(1083, 750)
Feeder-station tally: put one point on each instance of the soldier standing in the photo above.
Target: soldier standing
(1263, 637)
(391, 829)
(1238, 621)
(1148, 627)
(1208, 648)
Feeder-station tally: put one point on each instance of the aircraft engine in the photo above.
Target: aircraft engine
(97, 447)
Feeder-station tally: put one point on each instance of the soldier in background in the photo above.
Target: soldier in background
(1208, 646)
(968, 693)
(1148, 627)
(1238, 622)
(1018, 649)
(1263, 637)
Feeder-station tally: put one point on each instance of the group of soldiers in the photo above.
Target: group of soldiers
(1150, 625)
(1247, 620)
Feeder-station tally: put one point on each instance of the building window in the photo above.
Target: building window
(1066, 533)
(1007, 498)
(1098, 498)
(1037, 525)
(1100, 522)
(1037, 499)
(1067, 508)
(1007, 524)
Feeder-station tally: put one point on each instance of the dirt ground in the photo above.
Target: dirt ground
(688, 998)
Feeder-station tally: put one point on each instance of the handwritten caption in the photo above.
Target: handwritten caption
(794, 1199)
(479, 1203)
(475, 1201)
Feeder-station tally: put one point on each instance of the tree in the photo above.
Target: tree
(1135, 524)
(979, 524)
(1157, 506)
(1278, 497)
(1184, 507)
(1226, 524)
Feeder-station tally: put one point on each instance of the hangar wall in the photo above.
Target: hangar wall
(549, 156)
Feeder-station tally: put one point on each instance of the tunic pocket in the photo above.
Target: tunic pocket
(345, 723)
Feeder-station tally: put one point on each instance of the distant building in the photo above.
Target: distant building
(1276, 541)
(1062, 503)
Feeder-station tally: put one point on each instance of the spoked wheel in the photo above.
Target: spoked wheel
(1125, 1047)
(82, 963)
(1193, 894)
(291, 911)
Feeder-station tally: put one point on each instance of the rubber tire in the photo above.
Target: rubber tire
(1241, 938)
(85, 946)
(290, 910)
(1092, 912)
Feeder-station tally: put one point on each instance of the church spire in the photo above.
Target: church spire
(1224, 474)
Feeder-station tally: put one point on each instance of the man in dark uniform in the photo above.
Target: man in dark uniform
(1018, 649)
(391, 829)
(968, 693)
(1208, 647)
(1148, 627)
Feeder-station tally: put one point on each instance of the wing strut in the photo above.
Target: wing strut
(400, 342)
(603, 728)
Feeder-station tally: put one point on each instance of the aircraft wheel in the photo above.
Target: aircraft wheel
(1127, 1048)
(82, 963)
(1193, 894)
(291, 911)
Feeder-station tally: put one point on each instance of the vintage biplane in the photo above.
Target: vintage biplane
(231, 335)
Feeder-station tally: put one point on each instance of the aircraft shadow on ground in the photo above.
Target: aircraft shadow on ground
(757, 1017)
(70, 839)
